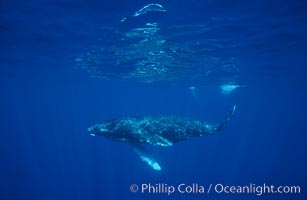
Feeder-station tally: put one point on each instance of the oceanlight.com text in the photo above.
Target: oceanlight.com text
(218, 188)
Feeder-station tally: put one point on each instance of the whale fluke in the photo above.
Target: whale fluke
(226, 119)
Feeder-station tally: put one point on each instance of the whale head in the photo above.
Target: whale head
(103, 129)
(107, 129)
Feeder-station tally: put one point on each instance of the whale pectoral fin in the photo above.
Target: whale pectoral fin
(160, 141)
(145, 157)
(150, 161)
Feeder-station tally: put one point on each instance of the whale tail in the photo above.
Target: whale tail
(226, 119)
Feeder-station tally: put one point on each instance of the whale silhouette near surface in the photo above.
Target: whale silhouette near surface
(161, 131)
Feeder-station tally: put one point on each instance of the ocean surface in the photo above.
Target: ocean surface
(67, 65)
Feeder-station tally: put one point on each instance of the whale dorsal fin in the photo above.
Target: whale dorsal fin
(158, 140)
(140, 150)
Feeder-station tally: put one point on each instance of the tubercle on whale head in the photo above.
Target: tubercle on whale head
(107, 130)
(99, 129)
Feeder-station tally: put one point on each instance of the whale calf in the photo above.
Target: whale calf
(161, 131)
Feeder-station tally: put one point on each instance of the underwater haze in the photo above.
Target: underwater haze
(68, 65)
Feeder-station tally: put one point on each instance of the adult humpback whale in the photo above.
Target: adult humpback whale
(155, 130)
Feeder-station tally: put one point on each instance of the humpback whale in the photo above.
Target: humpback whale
(161, 131)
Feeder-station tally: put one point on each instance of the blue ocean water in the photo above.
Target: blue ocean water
(66, 65)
